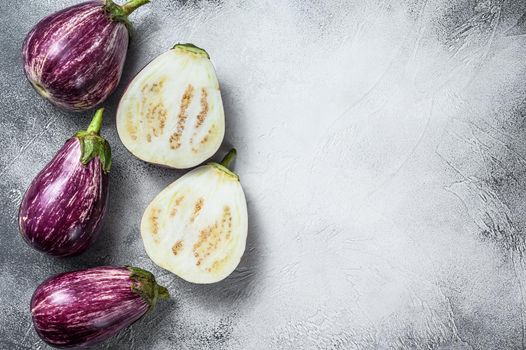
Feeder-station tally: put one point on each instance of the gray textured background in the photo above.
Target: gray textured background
(382, 150)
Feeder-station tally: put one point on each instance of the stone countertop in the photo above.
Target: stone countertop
(381, 146)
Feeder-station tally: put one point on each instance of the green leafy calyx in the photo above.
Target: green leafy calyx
(93, 145)
(145, 285)
(226, 163)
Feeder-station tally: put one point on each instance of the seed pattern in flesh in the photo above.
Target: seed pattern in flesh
(178, 202)
(154, 223)
(204, 140)
(202, 115)
(197, 209)
(211, 238)
(132, 129)
(153, 109)
(177, 247)
(175, 139)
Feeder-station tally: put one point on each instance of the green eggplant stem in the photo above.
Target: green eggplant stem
(96, 122)
(229, 158)
(163, 293)
(93, 145)
(146, 286)
(120, 13)
(133, 5)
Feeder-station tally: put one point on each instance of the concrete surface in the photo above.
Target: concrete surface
(382, 151)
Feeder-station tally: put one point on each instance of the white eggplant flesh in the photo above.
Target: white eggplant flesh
(172, 112)
(197, 226)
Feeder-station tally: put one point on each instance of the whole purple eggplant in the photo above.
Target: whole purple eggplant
(86, 307)
(74, 57)
(62, 211)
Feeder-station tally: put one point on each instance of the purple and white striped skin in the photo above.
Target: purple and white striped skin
(75, 57)
(62, 211)
(83, 308)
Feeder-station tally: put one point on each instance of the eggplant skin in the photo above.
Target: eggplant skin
(83, 308)
(62, 211)
(75, 57)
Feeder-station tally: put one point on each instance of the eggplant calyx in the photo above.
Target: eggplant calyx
(225, 164)
(120, 13)
(193, 49)
(145, 285)
(93, 145)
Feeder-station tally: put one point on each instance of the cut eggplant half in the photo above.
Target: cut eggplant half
(197, 226)
(172, 113)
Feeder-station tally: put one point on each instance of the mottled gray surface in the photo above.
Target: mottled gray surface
(382, 150)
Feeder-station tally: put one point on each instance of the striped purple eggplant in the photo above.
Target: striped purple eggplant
(74, 57)
(61, 213)
(86, 307)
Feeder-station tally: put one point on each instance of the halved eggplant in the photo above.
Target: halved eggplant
(172, 112)
(197, 226)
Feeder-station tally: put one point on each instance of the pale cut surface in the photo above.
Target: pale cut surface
(172, 113)
(197, 226)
